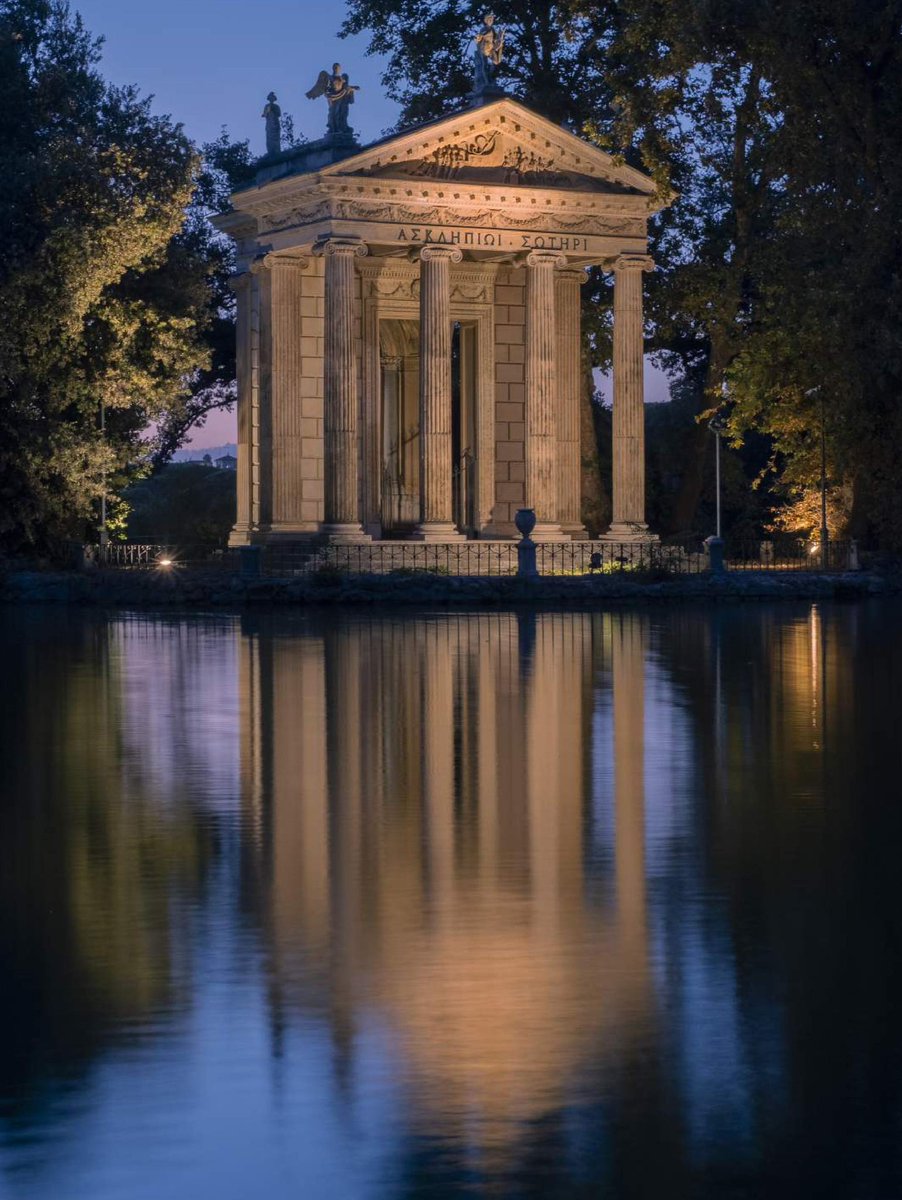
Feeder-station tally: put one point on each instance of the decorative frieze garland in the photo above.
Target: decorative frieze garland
(400, 281)
(391, 212)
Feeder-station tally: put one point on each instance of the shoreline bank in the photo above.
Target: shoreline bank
(197, 589)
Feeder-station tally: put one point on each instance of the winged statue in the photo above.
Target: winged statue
(339, 93)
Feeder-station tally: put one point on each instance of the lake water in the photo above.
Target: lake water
(355, 906)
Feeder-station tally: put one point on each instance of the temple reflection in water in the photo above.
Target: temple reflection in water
(423, 800)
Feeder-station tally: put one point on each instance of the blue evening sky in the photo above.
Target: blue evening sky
(211, 63)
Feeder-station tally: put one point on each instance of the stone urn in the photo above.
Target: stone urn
(525, 520)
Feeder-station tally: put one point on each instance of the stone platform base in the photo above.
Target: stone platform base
(625, 532)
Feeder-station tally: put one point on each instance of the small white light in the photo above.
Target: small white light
(165, 562)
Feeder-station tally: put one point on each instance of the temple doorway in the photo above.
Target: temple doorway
(463, 439)
(399, 347)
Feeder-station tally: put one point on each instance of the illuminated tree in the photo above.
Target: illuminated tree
(104, 297)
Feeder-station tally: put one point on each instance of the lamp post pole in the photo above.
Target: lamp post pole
(714, 544)
(718, 428)
(717, 474)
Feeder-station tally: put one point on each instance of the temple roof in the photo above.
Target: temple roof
(501, 143)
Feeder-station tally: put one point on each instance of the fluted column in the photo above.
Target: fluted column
(628, 490)
(541, 395)
(569, 366)
(341, 398)
(436, 501)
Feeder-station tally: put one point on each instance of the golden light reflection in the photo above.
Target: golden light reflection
(424, 802)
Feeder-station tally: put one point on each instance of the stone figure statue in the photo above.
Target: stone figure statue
(487, 56)
(339, 94)
(272, 114)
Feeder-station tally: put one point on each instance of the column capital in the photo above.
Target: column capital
(341, 246)
(545, 258)
(451, 253)
(576, 273)
(634, 262)
(269, 261)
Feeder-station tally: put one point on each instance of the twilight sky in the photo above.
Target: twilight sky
(211, 63)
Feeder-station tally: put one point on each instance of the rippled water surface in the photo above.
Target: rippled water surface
(347, 906)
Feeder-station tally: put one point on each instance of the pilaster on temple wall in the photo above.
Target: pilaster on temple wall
(289, 341)
(510, 398)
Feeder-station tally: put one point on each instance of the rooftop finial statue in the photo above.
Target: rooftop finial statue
(272, 114)
(487, 57)
(340, 94)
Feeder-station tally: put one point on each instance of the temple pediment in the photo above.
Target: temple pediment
(494, 180)
(501, 144)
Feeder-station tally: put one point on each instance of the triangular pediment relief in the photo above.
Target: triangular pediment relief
(502, 144)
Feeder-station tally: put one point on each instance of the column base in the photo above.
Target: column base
(241, 535)
(575, 531)
(628, 531)
(547, 531)
(437, 531)
(344, 535)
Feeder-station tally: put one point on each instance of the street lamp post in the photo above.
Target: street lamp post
(718, 428)
(714, 544)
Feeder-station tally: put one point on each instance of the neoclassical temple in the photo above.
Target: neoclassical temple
(409, 332)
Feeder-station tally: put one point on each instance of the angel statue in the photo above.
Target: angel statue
(272, 114)
(487, 56)
(340, 94)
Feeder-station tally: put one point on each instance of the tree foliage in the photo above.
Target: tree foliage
(104, 301)
(779, 265)
(190, 503)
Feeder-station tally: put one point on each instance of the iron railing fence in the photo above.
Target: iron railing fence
(387, 558)
(600, 557)
(472, 558)
(485, 558)
(792, 554)
(160, 556)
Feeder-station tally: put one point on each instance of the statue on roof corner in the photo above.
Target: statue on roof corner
(487, 56)
(339, 93)
(272, 114)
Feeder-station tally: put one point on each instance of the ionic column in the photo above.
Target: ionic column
(541, 395)
(436, 516)
(628, 490)
(341, 398)
(569, 366)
